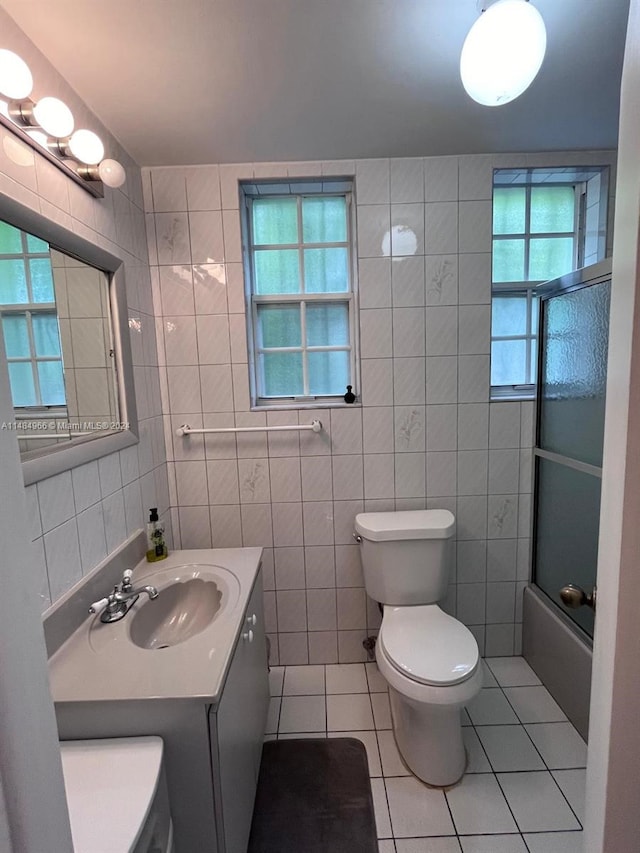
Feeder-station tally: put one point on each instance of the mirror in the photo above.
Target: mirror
(58, 341)
(64, 341)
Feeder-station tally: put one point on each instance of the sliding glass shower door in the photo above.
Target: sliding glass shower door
(568, 454)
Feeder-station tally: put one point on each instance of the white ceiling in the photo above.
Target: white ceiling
(207, 81)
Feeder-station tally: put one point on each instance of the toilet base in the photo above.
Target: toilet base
(427, 722)
(429, 739)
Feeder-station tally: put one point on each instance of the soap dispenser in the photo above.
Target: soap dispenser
(156, 544)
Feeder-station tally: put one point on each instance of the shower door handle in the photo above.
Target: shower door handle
(574, 596)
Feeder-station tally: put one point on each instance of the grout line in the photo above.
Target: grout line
(453, 820)
(566, 798)
(504, 796)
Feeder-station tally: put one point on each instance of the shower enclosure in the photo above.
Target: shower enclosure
(559, 604)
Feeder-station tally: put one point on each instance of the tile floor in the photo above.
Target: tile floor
(524, 788)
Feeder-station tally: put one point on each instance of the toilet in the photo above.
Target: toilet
(429, 659)
(117, 795)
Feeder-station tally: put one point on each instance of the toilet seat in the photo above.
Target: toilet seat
(428, 646)
(112, 786)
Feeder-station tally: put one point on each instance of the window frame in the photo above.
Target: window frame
(299, 190)
(526, 389)
(28, 309)
(527, 288)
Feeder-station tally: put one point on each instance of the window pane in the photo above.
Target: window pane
(41, 280)
(550, 257)
(328, 373)
(275, 220)
(23, 390)
(281, 374)
(324, 220)
(279, 326)
(535, 314)
(552, 209)
(327, 325)
(10, 242)
(16, 336)
(13, 282)
(508, 362)
(36, 245)
(326, 270)
(508, 315)
(51, 383)
(509, 210)
(46, 335)
(508, 260)
(277, 271)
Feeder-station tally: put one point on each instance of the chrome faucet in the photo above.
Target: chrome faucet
(118, 603)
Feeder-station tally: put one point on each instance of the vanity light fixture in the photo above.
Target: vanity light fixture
(503, 51)
(47, 126)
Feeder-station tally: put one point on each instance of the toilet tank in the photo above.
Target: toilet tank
(406, 556)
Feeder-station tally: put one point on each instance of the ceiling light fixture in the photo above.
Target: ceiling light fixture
(47, 125)
(503, 51)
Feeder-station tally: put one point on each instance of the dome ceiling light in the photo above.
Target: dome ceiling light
(503, 51)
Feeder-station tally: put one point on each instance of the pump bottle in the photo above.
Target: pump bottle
(156, 543)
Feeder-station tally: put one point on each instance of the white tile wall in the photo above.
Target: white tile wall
(425, 434)
(78, 516)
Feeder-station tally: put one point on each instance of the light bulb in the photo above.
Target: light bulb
(54, 117)
(86, 146)
(503, 52)
(16, 81)
(112, 173)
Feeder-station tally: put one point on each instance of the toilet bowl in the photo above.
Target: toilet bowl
(429, 659)
(432, 666)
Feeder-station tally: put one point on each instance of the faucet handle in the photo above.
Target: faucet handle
(97, 606)
(126, 578)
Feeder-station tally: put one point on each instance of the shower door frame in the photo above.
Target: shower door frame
(556, 647)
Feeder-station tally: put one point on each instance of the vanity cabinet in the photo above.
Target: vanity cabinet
(213, 731)
(237, 729)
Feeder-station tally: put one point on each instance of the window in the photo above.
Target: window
(538, 234)
(29, 320)
(300, 292)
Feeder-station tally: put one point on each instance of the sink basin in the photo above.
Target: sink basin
(195, 603)
(182, 610)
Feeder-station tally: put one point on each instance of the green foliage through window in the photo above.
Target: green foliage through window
(29, 320)
(301, 294)
(534, 240)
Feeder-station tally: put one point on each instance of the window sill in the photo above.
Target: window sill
(524, 396)
(312, 406)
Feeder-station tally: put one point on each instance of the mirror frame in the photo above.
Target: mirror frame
(48, 461)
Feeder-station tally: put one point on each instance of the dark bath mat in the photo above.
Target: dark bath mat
(314, 796)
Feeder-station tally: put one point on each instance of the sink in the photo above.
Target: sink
(181, 611)
(195, 602)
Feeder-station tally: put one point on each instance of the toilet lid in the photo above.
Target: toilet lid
(110, 785)
(427, 645)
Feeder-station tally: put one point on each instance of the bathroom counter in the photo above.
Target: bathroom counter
(100, 662)
(203, 690)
